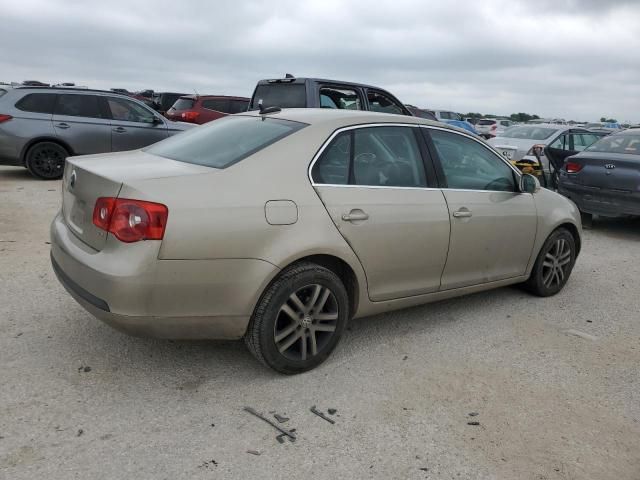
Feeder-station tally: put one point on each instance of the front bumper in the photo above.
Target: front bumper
(129, 288)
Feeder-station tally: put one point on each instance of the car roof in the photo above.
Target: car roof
(342, 118)
(296, 80)
(194, 96)
(68, 89)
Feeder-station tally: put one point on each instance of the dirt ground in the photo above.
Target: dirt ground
(554, 382)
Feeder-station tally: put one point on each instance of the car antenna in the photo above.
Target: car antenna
(197, 94)
(265, 110)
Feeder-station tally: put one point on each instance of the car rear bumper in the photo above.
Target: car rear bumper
(135, 292)
(597, 201)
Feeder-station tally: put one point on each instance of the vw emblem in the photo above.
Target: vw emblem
(609, 166)
(72, 179)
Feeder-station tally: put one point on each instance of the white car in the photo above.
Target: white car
(492, 127)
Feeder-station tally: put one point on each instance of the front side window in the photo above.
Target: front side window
(340, 98)
(37, 103)
(372, 156)
(126, 111)
(468, 165)
(79, 106)
(379, 102)
(226, 141)
(560, 143)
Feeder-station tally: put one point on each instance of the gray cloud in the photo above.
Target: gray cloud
(568, 58)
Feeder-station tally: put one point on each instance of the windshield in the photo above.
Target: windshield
(224, 142)
(283, 95)
(629, 144)
(531, 132)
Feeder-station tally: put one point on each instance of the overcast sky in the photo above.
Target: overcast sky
(577, 59)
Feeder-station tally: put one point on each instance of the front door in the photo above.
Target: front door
(133, 126)
(493, 226)
(373, 182)
(80, 120)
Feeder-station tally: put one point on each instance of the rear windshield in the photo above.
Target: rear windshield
(617, 144)
(183, 104)
(168, 99)
(486, 122)
(226, 141)
(283, 95)
(531, 132)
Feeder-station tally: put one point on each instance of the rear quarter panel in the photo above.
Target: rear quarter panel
(221, 215)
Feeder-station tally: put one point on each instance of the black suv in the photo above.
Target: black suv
(291, 92)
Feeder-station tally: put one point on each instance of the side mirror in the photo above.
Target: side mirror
(156, 121)
(529, 183)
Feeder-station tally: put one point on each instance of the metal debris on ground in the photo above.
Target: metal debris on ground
(80, 432)
(578, 333)
(475, 424)
(288, 433)
(280, 438)
(254, 452)
(280, 418)
(473, 414)
(317, 412)
(332, 411)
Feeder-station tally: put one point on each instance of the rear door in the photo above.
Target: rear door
(379, 193)
(493, 226)
(133, 126)
(81, 121)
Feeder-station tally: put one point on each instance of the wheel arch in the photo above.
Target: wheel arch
(573, 230)
(342, 269)
(35, 141)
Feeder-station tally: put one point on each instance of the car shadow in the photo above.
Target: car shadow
(621, 228)
(187, 364)
(16, 173)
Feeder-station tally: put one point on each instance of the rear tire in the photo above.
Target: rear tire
(554, 264)
(299, 319)
(45, 160)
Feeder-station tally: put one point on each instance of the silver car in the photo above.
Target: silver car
(40, 127)
(281, 226)
(516, 143)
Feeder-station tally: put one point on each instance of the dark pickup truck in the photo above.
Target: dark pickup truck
(291, 92)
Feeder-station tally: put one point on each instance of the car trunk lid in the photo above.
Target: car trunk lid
(611, 171)
(90, 177)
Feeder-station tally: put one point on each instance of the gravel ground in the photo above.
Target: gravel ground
(554, 382)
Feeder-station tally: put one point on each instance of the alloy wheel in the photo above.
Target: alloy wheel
(306, 322)
(556, 262)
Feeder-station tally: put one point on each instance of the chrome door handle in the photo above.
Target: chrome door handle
(355, 216)
(62, 125)
(462, 214)
(119, 130)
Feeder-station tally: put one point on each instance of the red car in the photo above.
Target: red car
(204, 108)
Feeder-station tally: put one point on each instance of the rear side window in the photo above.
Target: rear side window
(226, 141)
(183, 104)
(217, 104)
(238, 106)
(378, 102)
(79, 106)
(629, 144)
(372, 156)
(37, 103)
(341, 98)
(283, 95)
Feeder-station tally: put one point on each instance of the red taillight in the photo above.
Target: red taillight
(4, 118)
(190, 116)
(573, 167)
(130, 220)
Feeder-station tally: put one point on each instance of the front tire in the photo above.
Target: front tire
(554, 264)
(299, 319)
(45, 160)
